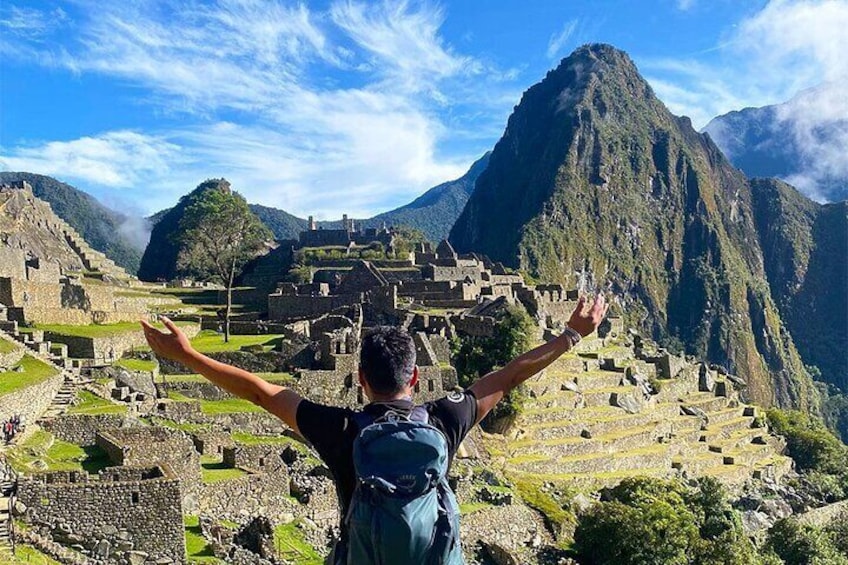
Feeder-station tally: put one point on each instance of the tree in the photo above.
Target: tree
(220, 235)
(800, 544)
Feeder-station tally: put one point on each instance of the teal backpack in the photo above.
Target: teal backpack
(402, 511)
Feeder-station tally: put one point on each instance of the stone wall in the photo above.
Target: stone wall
(109, 348)
(81, 429)
(282, 307)
(155, 446)
(266, 458)
(144, 503)
(256, 494)
(31, 402)
(12, 263)
(212, 443)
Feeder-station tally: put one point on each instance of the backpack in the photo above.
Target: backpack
(402, 510)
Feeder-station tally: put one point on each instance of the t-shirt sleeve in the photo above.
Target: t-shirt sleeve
(321, 426)
(457, 414)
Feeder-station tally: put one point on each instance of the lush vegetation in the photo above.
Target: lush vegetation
(473, 357)
(646, 521)
(818, 454)
(224, 406)
(218, 236)
(30, 371)
(117, 236)
(136, 364)
(799, 544)
(97, 330)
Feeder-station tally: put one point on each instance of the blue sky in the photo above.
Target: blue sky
(344, 106)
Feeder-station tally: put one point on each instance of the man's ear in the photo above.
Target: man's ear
(414, 380)
(361, 376)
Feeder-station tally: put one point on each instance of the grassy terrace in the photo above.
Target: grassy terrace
(96, 330)
(226, 406)
(6, 346)
(194, 378)
(58, 455)
(30, 556)
(293, 548)
(213, 470)
(133, 364)
(209, 341)
(196, 547)
(92, 404)
(34, 372)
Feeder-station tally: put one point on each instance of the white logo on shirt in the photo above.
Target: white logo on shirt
(456, 397)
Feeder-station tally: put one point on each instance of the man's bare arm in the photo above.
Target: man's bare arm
(276, 399)
(490, 389)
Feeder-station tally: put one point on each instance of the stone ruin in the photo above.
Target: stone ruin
(617, 406)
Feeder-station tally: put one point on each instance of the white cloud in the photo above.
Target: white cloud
(119, 159)
(558, 40)
(686, 5)
(249, 75)
(29, 23)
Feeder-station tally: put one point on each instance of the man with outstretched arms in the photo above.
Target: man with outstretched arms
(390, 460)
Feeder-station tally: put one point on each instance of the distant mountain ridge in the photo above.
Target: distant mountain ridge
(101, 227)
(434, 212)
(596, 183)
(803, 141)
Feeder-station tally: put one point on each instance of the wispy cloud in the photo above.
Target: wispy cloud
(686, 5)
(302, 140)
(119, 159)
(559, 40)
(29, 23)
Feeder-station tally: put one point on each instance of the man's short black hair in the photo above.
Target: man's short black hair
(387, 359)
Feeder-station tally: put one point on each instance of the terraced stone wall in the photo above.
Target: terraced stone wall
(81, 429)
(283, 307)
(142, 505)
(31, 402)
(256, 494)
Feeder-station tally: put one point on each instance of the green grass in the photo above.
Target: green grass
(278, 378)
(293, 548)
(6, 346)
(97, 330)
(57, 454)
(472, 507)
(34, 372)
(214, 471)
(93, 404)
(197, 549)
(25, 554)
(225, 406)
(133, 364)
(209, 341)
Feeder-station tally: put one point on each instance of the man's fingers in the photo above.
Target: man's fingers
(170, 325)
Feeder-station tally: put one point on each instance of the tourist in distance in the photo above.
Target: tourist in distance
(390, 460)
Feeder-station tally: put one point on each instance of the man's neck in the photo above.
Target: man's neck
(390, 397)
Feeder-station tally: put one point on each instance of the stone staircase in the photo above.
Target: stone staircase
(91, 259)
(8, 486)
(591, 421)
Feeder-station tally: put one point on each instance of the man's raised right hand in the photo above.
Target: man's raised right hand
(586, 320)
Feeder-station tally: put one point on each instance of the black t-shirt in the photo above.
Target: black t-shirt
(332, 431)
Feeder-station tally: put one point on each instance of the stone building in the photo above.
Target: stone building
(124, 513)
